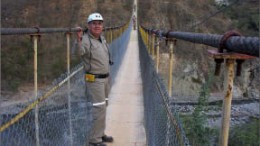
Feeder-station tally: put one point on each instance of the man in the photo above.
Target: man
(95, 55)
(134, 22)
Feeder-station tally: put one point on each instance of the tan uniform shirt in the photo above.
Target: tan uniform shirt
(95, 54)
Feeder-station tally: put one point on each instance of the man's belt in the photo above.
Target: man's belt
(100, 75)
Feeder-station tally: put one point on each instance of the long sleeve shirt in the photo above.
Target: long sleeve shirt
(95, 54)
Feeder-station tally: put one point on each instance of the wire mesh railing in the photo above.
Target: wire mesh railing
(63, 112)
(17, 121)
(118, 48)
(163, 127)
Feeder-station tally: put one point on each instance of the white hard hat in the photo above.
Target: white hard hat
(94, 16)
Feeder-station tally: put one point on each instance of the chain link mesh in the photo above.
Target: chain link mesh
(163, 127)
(53, 117)
(117, 49)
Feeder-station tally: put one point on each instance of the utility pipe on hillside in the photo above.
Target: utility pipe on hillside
(34, 30)
(238, 44)
(21, 31)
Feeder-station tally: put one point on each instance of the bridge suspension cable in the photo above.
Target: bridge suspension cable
(238, 44)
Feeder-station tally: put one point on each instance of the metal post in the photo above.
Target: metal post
(117, 38)
(69, 91)
(35, 40)
(147, 41)
(157, 55)
(169, 88)
(152, 45)
(115, 33)
(144, 37)
(117, 30)
(170, 68)
(120, 33)
(141, 32)
(106, 34)
(227, 102)
(229, 78)
(111, 36)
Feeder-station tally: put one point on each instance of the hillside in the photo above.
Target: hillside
(17, 52)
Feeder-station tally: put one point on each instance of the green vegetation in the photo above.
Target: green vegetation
(201, 135)
(196, 80)
(244, 16)
(16, 68)
(195, 126)
(246, 134)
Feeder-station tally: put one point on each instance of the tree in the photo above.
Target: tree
(196, 128)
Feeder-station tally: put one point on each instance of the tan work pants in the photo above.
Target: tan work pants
(98, 91)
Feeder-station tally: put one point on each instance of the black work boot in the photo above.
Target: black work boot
(106, 138)
(97, 144)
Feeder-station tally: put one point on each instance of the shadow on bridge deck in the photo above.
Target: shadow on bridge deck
(125, 109)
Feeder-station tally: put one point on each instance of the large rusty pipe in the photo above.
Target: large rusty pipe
(238, 44)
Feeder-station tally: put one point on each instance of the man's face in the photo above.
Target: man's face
(95, 27)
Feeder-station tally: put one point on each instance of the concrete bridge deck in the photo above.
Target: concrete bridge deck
(125, 109)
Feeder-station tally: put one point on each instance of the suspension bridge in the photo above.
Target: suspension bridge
(138, 112)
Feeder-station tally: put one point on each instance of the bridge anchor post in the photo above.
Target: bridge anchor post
(157, 54)
(35, 39)
(68, 38)
(230, 59)
(172, 45)
(152, 45)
